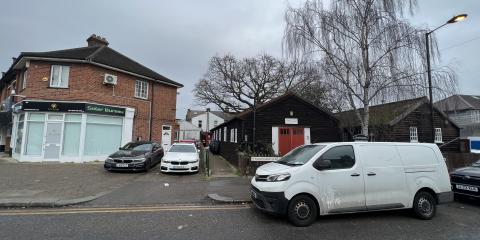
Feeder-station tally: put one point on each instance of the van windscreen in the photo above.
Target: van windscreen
(300, 155)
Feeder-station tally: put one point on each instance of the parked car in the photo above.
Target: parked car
(181, 157)
(135, 156)
(466, 181)
(335, 178)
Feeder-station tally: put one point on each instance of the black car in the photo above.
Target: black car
(466, 181)
(135, 156)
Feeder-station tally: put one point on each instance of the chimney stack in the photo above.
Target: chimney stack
(95, 40)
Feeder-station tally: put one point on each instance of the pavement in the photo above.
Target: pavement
(62, 184)
(457, 221)
(55, 184)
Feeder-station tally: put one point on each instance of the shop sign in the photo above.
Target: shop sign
(264, 159)
(291, 120)
(71, 107)
(102, 109)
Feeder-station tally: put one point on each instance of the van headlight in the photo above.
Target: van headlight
(109, 160)
(278, 177)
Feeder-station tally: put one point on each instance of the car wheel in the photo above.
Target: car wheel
(302, 211)
(424, 205)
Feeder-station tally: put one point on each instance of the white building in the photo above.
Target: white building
(207, 120)
(187, 131)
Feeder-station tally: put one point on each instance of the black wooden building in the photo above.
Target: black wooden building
(282, 123)
(404, 121)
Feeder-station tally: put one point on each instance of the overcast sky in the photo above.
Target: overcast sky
(177, 38)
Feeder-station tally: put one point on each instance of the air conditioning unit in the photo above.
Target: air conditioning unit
(110, 79)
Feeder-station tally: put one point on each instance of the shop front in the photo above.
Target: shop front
(69, 131)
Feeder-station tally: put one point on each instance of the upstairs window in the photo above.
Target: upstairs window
(215, 123)
(438, 135)
(59, 76)
(24, 80)
(413, 134)
(200, 123)
(141, 89)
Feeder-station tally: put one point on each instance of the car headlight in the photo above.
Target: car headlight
(166, 161)
(278, 177)
(139, 159)
(193, 161)
(109, 160)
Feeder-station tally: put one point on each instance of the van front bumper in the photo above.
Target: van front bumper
(271, 202)
(445, 197)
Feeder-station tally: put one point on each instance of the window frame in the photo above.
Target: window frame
(60, 80)
(138, 94)
(321, 158)
(438, 137)
(24, 80)
(413, 132)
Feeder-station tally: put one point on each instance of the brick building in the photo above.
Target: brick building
(83, 103)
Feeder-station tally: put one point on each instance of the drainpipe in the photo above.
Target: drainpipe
(151, 115)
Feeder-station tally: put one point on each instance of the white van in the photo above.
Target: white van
(334, 178)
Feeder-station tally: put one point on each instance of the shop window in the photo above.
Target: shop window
(34, 134)
(71, 135)
(59, 76)
(19, 134)
(103, 135)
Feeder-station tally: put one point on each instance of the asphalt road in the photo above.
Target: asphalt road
(453, 221)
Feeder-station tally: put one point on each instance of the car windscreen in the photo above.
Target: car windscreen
(182, 148)
(300, 155)
(138, 146)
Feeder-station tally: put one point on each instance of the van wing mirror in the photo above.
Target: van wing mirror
(322, 164)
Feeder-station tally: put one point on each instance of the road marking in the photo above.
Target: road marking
(120, 210)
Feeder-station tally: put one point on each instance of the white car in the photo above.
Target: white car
(335, 178)
(181, 157)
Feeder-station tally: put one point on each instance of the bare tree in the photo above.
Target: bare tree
(368, 53)
(235, 84)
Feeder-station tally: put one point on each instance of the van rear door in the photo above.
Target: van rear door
(385, 183)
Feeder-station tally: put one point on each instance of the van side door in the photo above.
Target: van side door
(385, 182)
(340, 180)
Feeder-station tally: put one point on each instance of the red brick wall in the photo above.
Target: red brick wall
(86, 84)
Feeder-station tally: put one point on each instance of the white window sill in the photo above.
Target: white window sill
(414, 141)
(438, 142)
(57, 87)
(141, 98)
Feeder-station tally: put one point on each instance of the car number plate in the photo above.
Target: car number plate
(122, 165)
(254, 194)
(467, 188)
(178, 167)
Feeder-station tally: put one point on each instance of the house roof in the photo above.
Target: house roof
(100, 55)
(245, 114)
(193, 113)
(388, 113)
(459, 103)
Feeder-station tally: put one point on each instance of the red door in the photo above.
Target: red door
(289, 138)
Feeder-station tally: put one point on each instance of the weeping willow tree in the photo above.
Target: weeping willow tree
(367, 50)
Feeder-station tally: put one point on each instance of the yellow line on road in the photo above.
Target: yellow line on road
(119, 210)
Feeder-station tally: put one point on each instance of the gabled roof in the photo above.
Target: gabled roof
(193, 113)
(388, 113)
(245, 114)
(100, 55)
(459, 103)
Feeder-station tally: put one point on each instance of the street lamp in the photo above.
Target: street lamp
(454, 19)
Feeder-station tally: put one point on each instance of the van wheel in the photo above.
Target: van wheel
(424, 205)
(302, 211)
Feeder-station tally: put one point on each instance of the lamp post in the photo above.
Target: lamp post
(454, 19)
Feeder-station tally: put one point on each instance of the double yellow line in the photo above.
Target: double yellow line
(64, 211)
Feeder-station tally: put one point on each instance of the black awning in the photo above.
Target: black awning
(5, 118)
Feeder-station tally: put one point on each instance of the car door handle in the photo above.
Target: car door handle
(355, 174)
(371, 174)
